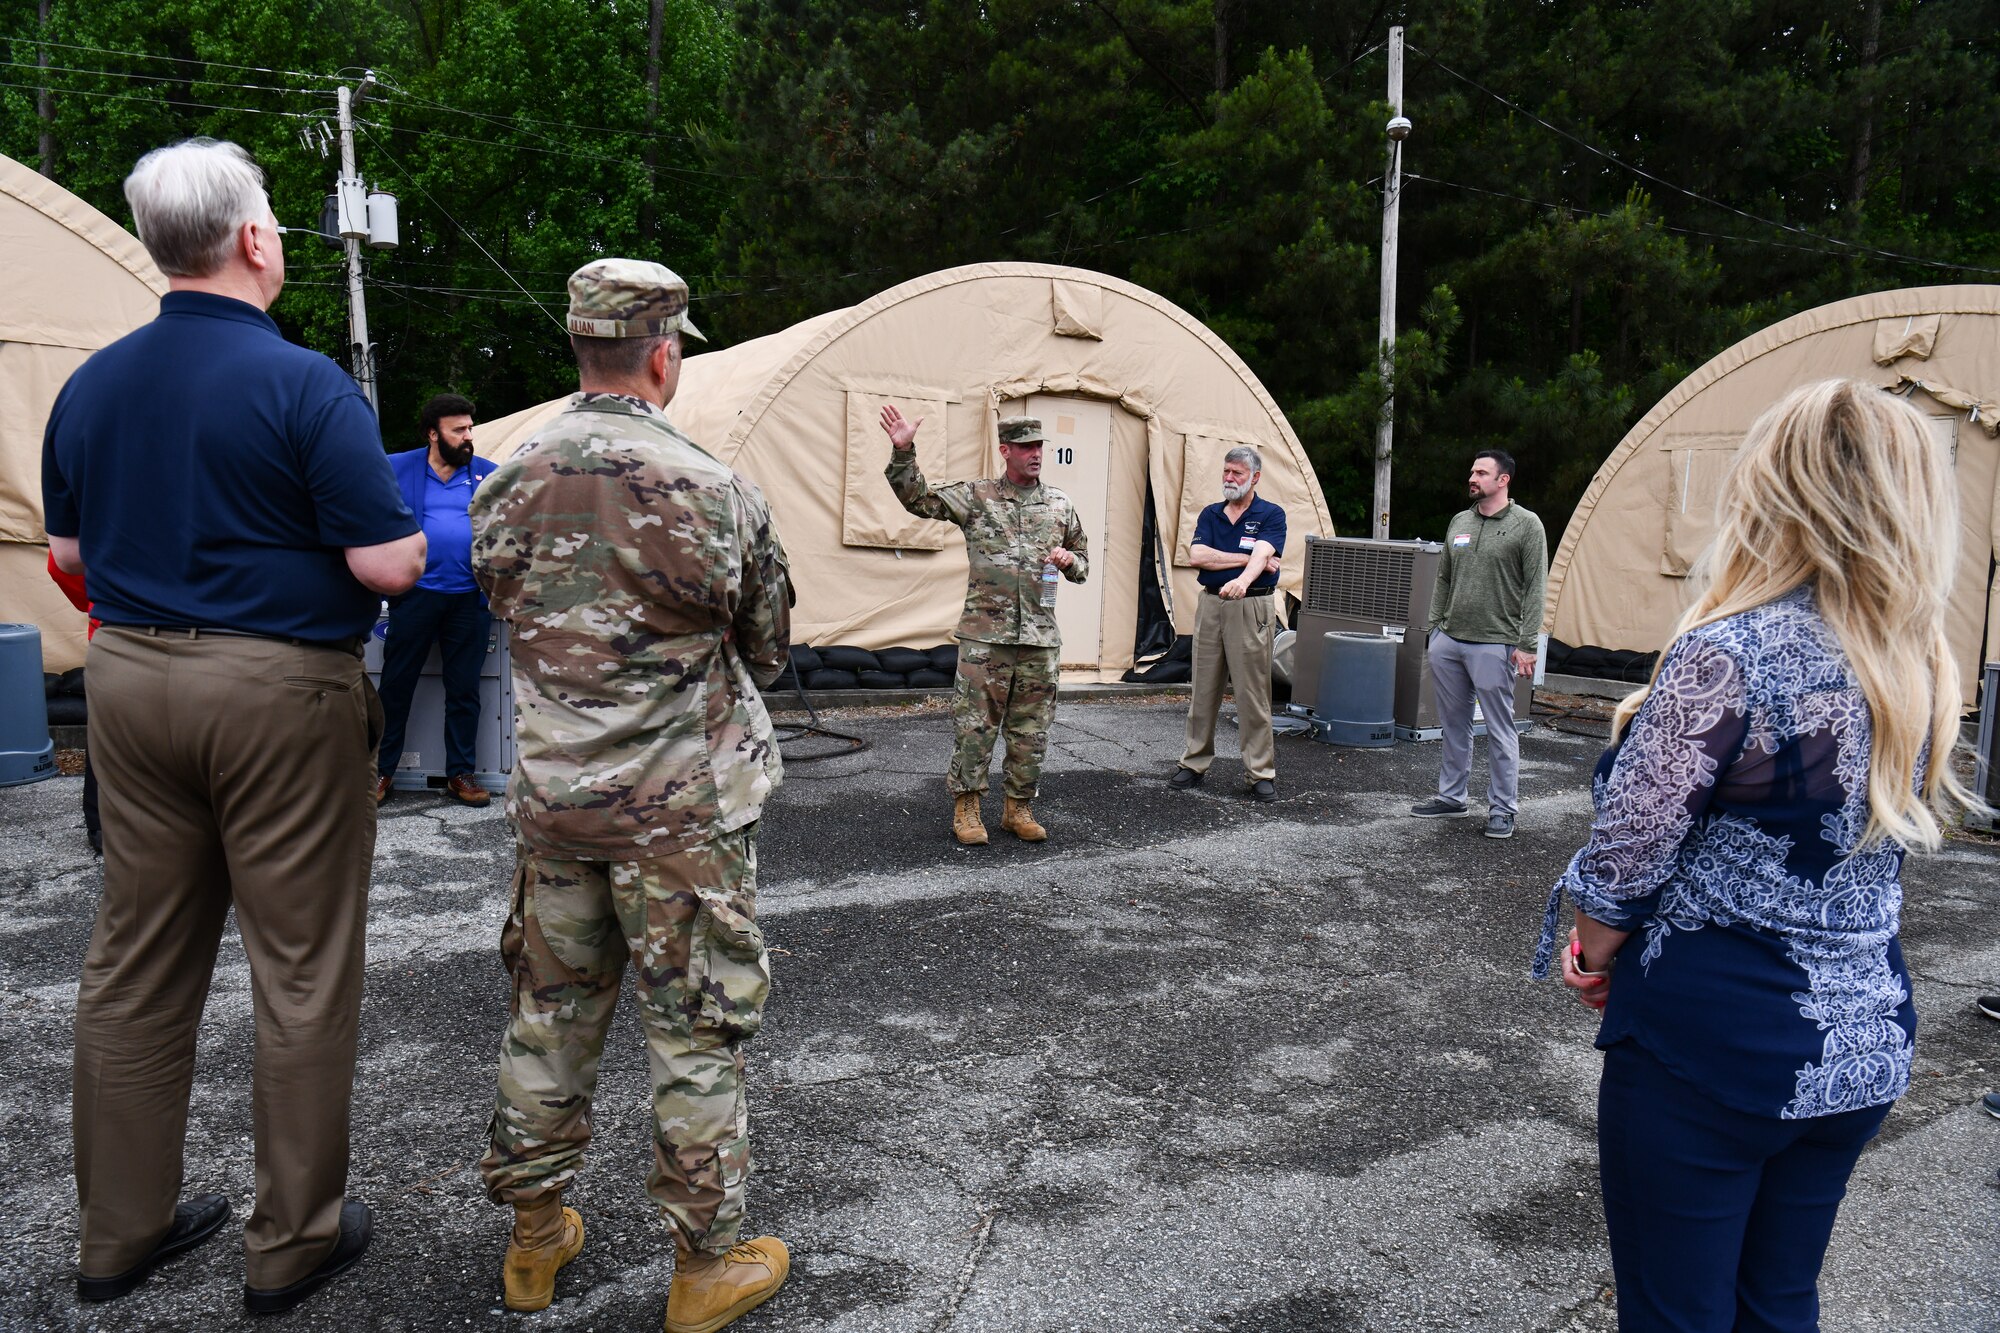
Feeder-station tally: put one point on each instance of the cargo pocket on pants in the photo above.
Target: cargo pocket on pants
(728, 970)
(514, 935)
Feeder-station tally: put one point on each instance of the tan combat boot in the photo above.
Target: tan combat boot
(1019, 820)
(966, 825)
(546, 1236)
(710, 1290)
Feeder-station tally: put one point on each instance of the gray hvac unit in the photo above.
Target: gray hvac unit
(1357, 585)
(1986, 768)
(422, 763)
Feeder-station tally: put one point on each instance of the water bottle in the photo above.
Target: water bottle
(1049, 574)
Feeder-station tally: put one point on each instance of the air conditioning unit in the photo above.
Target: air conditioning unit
(422, 764)
(1986, 767)
(1360, 585)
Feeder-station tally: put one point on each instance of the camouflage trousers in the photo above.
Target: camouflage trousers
(686, 921)
(1002, 687)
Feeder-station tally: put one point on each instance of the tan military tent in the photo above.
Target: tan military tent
(1619, 579)
(1134, 392)
(71, 281)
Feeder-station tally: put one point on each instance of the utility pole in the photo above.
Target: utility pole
(353, 215)
(1397, 129)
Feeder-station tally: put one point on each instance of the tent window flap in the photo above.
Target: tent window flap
(1079, 309)
(1201, 485)
(1905, 335)
(870, 514)
(1695, 474)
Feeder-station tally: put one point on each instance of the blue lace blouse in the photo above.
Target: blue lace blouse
(1763, 965)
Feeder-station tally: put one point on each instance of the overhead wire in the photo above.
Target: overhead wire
(405, 173)
(558, 151)
(154, 101)
(179, 60)
(1695, 195)
(164, 78)
(517, 121)
(1661, 223)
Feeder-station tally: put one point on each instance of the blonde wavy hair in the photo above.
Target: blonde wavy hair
(1840, 485)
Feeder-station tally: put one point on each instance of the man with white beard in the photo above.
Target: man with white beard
(1236, 547)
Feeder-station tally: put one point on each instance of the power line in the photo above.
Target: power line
(1658, 222)
(1694, 195)
(178, 60)
(158, 102)
(404, 172)
(520, 121)
(554, 152)
(165, 78)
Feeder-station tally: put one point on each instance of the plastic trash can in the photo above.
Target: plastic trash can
(26, 752)
(1357, 690)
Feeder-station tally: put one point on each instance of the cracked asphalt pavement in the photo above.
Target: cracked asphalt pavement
(1195, 1063)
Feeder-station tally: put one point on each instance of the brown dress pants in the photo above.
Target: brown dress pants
(1232, 647)
(232, 772)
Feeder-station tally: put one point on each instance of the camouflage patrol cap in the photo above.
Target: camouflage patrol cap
(628, 298)
(1021, 430)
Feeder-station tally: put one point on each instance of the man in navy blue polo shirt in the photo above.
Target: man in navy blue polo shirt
(227, 495)
(446, 607)
(1236, 546)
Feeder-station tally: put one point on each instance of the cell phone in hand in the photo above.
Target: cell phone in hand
(1576, 963)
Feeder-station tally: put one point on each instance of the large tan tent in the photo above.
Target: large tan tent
(1133, 390)
(1620, 577)
(71, 281)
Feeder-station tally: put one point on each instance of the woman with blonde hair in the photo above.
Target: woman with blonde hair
(1743, 873)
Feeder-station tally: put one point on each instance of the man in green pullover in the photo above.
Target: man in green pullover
(1486, 615)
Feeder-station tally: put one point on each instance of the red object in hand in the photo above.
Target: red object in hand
(73, 588)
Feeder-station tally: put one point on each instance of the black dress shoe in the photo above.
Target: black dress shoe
(194, 1222)
(1184, 777)
(357, 1228)
(1263, 789)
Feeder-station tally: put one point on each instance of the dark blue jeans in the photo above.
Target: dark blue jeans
(1718, 1219)
(457, 624)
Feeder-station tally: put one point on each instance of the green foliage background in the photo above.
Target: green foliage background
(797, 155)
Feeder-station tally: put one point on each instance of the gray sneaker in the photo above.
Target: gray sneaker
(1437, 807)
(1499, 825)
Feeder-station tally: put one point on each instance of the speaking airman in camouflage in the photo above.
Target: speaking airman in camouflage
(649, 600)
(1008, 641)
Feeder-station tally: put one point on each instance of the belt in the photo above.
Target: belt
(1264, 591)
(351, 646)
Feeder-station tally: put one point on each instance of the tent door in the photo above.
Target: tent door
(1077, 461)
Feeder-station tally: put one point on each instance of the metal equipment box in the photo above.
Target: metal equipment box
(1360, 585)
(1986, 759)
(423, 761)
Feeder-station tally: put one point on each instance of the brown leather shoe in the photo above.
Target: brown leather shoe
(382, 789)
(465, 791)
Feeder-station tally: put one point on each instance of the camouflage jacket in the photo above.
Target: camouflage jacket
(649, 598)
(1008, 531)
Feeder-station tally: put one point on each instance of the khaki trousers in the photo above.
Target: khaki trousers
(233, 773)
(1232, 646)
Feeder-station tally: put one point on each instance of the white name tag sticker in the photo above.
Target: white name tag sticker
(1460, 540)
(1246, 543)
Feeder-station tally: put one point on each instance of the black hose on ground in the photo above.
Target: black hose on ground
(799, 731)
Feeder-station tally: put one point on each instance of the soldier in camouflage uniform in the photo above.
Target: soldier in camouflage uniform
(649, 600)
(1008, 644)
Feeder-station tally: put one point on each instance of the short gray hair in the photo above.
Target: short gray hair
(1247, 456)
(189, 198)
(616, 358)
